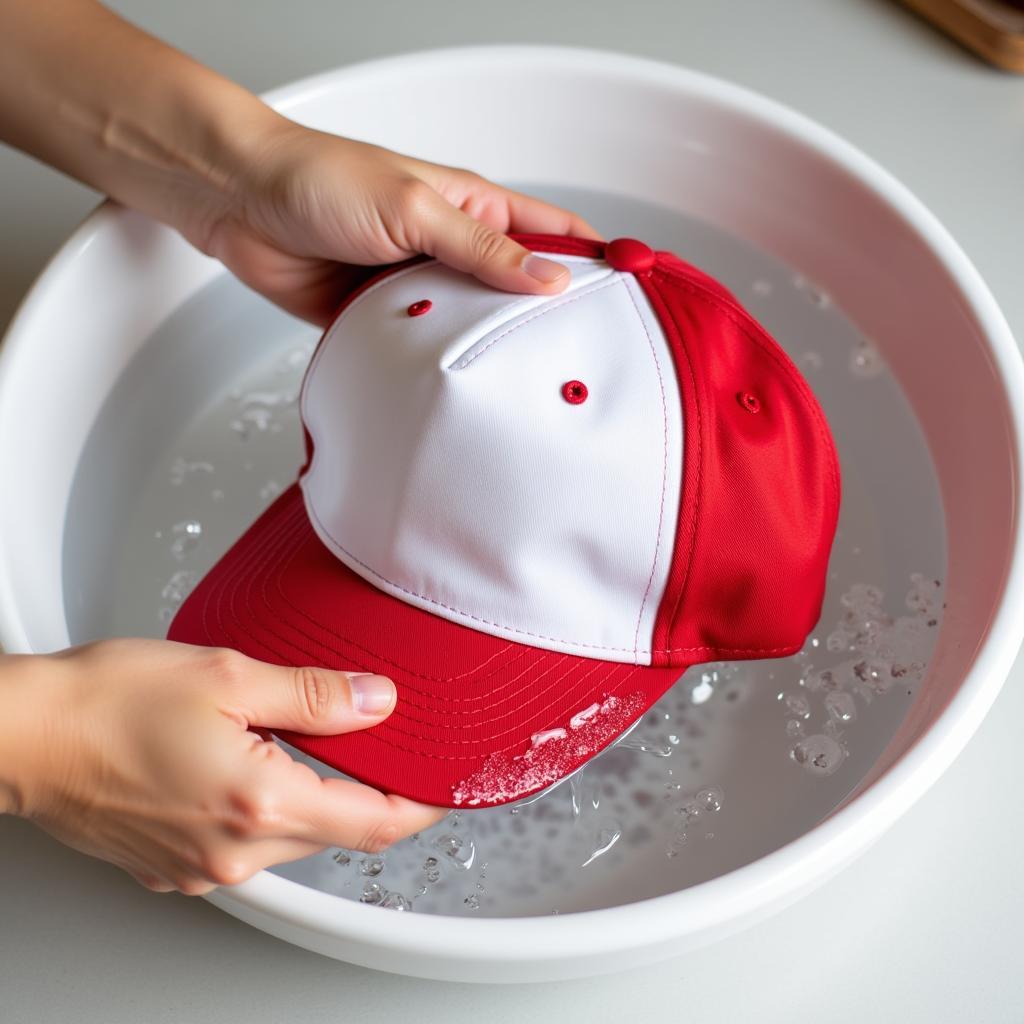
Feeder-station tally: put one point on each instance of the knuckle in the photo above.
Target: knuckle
(414, 198)
(313, 691)
(226, 666)
(487, 245)
(258, 811)
(222, 870)
(190, 885)
(378, 837)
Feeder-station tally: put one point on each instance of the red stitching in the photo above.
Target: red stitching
(245, 583)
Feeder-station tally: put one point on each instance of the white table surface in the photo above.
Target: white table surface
(929, 924)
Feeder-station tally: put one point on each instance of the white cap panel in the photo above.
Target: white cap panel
(449, 469)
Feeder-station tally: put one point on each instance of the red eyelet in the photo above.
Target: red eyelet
(420, 307)
(749, 402)
(575, 392)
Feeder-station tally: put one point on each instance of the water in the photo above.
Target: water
(735, 760)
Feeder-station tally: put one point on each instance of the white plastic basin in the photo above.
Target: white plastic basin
(692, 144)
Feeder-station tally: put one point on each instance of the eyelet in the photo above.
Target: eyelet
(575, 392)
(748, 401)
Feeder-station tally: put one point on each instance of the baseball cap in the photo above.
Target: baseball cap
(533, 513)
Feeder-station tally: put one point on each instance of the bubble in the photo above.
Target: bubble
(371, 866)
(270, 490)
(817, 296)
(472, 901)
(875, 675)
(458, 850)
(840, 707)
(432, 869)
(794, 727)
(373, 893)
(396, 901)
(818, 754)
(179, 586)
(342, 857)
(181, 468)
(676, 844)
(865, 361)
(187, 535)
(797, 704)
(710, 799)
(703, 690)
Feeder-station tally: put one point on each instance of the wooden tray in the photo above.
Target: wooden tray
(993, 29)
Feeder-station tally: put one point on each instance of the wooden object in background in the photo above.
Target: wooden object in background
(993, 29)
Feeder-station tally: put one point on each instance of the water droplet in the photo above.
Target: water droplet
(179, 586)
(606, 839)
(270, 490)
(761, 287)
(458, 850)
(472, 901)
(797, 704)
(396, 901)
(710, 799)
(865, 361)
(371, 866)
(841, 707)
(811, 362)
(373, 893)
(342, 857)
(818, 296)
(432, 869)
(187, 535)
(819, 754)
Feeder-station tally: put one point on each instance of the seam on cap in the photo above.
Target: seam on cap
(664, 461)
(293, 528)
(246, 581)
(440, 604)
(697, 438)
(558, 302)
(742, 320)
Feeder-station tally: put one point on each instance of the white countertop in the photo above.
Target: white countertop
(929, 925)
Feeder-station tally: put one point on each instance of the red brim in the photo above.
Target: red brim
(469, 704)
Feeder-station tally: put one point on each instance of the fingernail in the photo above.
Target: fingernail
(371, 695)
(541, 269)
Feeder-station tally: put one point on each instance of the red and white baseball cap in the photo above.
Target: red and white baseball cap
(533, 513)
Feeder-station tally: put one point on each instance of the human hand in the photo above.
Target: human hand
(139, 752)
(303, 206)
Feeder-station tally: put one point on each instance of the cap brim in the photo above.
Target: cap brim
(480, 720)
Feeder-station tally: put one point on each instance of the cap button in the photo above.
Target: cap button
(628, 254)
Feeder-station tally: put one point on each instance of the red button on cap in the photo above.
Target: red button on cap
(630, 255)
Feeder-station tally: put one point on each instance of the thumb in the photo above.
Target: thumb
(313, 700)
(445, 232)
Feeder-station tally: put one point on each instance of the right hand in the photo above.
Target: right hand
(141, 754)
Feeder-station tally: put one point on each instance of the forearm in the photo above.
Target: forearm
(86, 92)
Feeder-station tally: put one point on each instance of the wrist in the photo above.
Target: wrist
(26, 728)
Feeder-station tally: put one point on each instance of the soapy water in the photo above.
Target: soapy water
(734, 760)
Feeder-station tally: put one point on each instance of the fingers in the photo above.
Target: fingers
(432, 225)
(529, 214)
(335, 812)
(307, 699)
